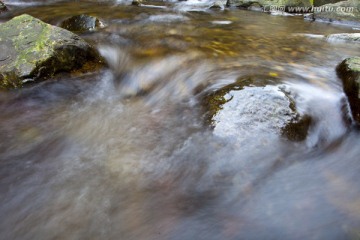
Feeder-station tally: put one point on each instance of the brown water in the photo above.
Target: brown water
(122, 153)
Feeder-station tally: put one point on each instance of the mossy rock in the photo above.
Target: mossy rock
(32, 50)
(349, 72)
(247, 108)
(81, 23)
(265, 3)
(344, 12)
(318, 3)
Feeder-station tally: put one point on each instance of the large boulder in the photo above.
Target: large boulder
(32, 50)
(345, 12)
(242, 110)
(349, 72)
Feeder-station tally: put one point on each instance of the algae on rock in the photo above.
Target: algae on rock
(31, 50)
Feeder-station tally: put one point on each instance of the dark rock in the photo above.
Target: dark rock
(136, 2)
(255, 7)
(318, 3)
(3, 7)
(217, 5)
(81, 23)
(33, 50)
(349, 72)
(345, 12)
(240, 111)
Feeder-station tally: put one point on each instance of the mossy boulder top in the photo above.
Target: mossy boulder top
(31, 49)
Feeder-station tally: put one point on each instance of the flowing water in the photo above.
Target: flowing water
(123, 153)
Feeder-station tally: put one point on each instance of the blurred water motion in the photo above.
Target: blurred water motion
(123, 153)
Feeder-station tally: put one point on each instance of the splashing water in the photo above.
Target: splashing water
(124, 153)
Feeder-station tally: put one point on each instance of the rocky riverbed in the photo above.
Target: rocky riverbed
(175, 120)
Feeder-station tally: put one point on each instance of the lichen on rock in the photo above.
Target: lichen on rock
(32, 50)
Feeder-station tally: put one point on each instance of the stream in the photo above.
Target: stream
(123, 152)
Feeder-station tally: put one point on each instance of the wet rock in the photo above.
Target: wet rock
(241, 110)
(268, 4)
(136, 2)
(82, 23)
(217, 5)
(3, 7)
(255, 7)
(345, 12)
(349, 72)
(318, 3)
(344, 37)
(33, 50)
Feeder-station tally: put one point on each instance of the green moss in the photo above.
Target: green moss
(36, 50)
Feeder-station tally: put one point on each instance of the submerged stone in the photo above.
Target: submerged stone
(349, 72)
(31, 50)
(240, 111)
(81, 23)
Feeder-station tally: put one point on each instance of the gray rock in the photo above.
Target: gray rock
(81, 23)
(345, 12)
(239, 112)
(349, 72)
(217, 5)
(32, 50)
(344, 37)
(267, 3)
(255, 7)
